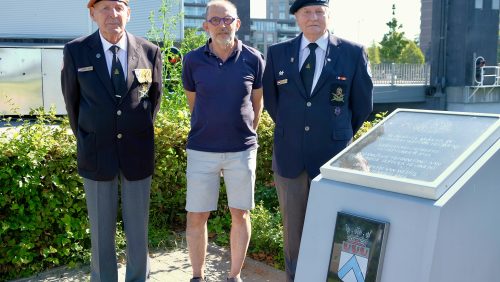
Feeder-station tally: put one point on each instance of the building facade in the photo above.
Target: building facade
(278, 25)
(425, 28)
(45, 23)
(194, 16)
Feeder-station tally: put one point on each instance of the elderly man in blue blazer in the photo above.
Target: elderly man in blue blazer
(318, 91)
(111, 82)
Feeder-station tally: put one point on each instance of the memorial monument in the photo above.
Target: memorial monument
(414, 199)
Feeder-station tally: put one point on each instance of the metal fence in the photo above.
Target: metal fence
(400, 73)
(487, 76)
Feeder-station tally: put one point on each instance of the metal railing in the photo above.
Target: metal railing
(391, 73)
(487, 78)
(490, 73)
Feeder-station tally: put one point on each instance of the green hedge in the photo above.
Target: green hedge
(42, 204)
(43, 214)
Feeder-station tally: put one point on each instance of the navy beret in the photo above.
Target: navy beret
(92, 2)
(302, 3)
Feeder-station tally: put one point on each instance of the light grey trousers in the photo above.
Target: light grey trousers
(102, 205)
(292, 196)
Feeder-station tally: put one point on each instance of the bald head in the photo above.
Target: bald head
(223, 3)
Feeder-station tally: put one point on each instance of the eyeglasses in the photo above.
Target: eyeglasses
(216, 20)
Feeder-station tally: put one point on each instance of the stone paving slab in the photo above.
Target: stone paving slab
(174, 266)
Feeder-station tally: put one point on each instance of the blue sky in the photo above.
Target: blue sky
(365, 20)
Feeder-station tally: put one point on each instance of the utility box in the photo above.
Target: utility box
(30, 79)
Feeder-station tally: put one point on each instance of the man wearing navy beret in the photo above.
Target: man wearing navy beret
(318, 91)
(111, 82)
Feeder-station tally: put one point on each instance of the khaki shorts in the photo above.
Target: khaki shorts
(203, 179)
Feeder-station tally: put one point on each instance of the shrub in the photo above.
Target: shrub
(42, 205)
(266, 243)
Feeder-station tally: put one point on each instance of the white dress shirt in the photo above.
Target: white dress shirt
(320, 55)
(122, 53)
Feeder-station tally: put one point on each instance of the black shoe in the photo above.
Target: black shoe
(197, 279)
(234, 279)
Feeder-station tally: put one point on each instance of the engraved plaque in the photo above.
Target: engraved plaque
(420, 153)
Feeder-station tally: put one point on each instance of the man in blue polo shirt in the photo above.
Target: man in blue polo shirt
(223, 84)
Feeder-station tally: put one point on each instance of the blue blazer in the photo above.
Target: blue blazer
(111, 135)
(311, 129)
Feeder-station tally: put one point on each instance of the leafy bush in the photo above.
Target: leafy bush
(42, 205)
(266, 243)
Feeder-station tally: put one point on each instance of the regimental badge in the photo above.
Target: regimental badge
(308, 66)
(281, 72)
(337, 96)
(116, 72)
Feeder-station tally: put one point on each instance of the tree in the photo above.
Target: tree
(374, 53)
(393, 42)
(411, 54)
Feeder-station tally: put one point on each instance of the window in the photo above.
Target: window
(495, 4)
(479, 4)
(194, 11)
(258, 37)
(194, 23)
(269, 38)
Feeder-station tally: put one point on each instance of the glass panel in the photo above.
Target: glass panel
(479, 4)
(495, 4)
(415, 145)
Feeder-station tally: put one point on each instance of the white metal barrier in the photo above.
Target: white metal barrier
(486, 78)
(398, 74)
(489, 71)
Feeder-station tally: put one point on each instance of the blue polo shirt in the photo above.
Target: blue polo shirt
(223, 114)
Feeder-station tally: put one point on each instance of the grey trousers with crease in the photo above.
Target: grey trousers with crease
(292, 196)
(102, 205)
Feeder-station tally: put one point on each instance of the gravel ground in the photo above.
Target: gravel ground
(173, 265)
